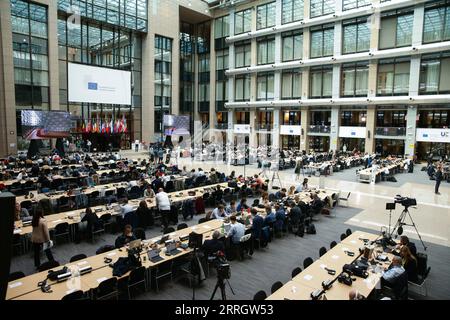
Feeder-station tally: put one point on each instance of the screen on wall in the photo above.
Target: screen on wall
(178, 125)
(38, 124)
(98, 85)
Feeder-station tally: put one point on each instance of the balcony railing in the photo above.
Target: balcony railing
(263, 126)
(319, 129)
(390, 131)
(221, 126)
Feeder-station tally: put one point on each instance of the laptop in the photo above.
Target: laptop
(153, 255)
(163, 239)
(227, 227)
(171, 248)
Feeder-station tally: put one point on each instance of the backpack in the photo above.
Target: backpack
(301, 231)
(311, 229)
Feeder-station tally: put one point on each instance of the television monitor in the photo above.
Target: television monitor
(39, 124)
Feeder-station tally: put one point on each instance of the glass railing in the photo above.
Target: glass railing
(390, 131)
(319, 129)
(222, 126)
(263, 126)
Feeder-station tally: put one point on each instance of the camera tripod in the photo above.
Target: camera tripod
(275, 176)
(401, 222)
(221, 284)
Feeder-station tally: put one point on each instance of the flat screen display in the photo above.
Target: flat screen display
(38, 124)
(98, 85)
(176, 125)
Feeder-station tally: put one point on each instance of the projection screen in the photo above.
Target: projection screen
(98, 85)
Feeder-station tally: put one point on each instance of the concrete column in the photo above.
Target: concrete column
(334, 135)
(305, 83)
(252, 139)
(374, 30)
(278, 11)
(230, 136)
(148, 88)
(337, 44)
(419, 12)
(411, 116)
(306, 43)
(276, 129)
(414, 75)
(337, 6)
(304, 139)
(8, 130)
(372, 81)
(336, 84)
(306, 9)
(53, 66)
(371, 120)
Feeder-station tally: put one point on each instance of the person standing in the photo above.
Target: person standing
(89, 144)
(40, 236)
(438, 176)
(163, 202)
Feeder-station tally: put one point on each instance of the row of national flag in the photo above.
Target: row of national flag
(104, 126)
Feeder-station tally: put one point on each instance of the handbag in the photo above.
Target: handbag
(47, 245)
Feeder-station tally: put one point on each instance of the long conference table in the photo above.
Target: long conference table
(365, 175)
(74, 217)
(27, 288)
(310, 279)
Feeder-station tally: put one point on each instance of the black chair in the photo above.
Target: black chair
(277, 285)
(94, 198)
(260, 295)
(63, 203)
(62, 230)
(168, 230)
(48, 265)
(307, 262)
(182, 226)
(27, 204)
(348, 232)
(343, 236)
(107, 289)
(322, 251)
(134, 193)
(163, 270)
(136, 278)
(139, 233)
(295, 272)
(97, 229)
(104, 249)
(333, 244)
(201, 220)
(76, 295)
(78, 257)
(15, 276)
(107, 220)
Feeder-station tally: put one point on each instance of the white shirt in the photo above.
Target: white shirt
(126, 208)
(132, 183)
(163, 201)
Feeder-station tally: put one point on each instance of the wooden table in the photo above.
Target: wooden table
(292, 291)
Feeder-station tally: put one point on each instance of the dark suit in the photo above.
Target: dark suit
(211, 246)
(258, 223)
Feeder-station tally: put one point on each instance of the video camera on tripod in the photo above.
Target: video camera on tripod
(405, 201)
(222, 266)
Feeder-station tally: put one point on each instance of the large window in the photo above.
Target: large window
(356, 35)
(221, 79)
(435, 74)
(221, 27)
(321, 82)
(242, 88)
(292, 45)
(354, 79)
(291, 10)
(242, 52)
(396, 28)
(352, 4)
(265, 15)
(393, 77)
(437, 22)
(131, 14)
(322, 40)
(163, 77)
(243, 21)
(321, 7)
(265, 86)
(203, 82)
(266, 50)
(291, 84)
(30, 54)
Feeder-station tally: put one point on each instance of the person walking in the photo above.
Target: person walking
(89, 144)
(40, 237)
(438, 176)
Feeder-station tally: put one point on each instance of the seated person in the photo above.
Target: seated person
(242, 205)
(409, 263)
(93, 222)
(126, 207)
(394, 271)
(305, 186)
(355, 295)
(211, 246)
(219, 212)
(257, 224)
(231, 208)
(316, 204)
(270, 215)
(281, 193)
(237, 231)
(21, 213)
(149, 192)
(126, 237)
(404, 241)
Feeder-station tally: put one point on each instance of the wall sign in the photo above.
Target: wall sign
(433, 135)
